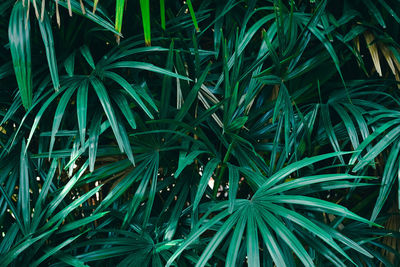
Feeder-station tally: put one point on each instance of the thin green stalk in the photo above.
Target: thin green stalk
(119, 14)
(191, 10)
(145, 8)
(222, 170)
(162, 13)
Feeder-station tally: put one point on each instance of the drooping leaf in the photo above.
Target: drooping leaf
(19, 37)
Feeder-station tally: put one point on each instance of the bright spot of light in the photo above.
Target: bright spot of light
(211, 183)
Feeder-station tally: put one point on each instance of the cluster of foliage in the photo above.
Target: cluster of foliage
(213, 132)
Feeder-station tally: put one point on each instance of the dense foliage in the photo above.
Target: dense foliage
(213, 132)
